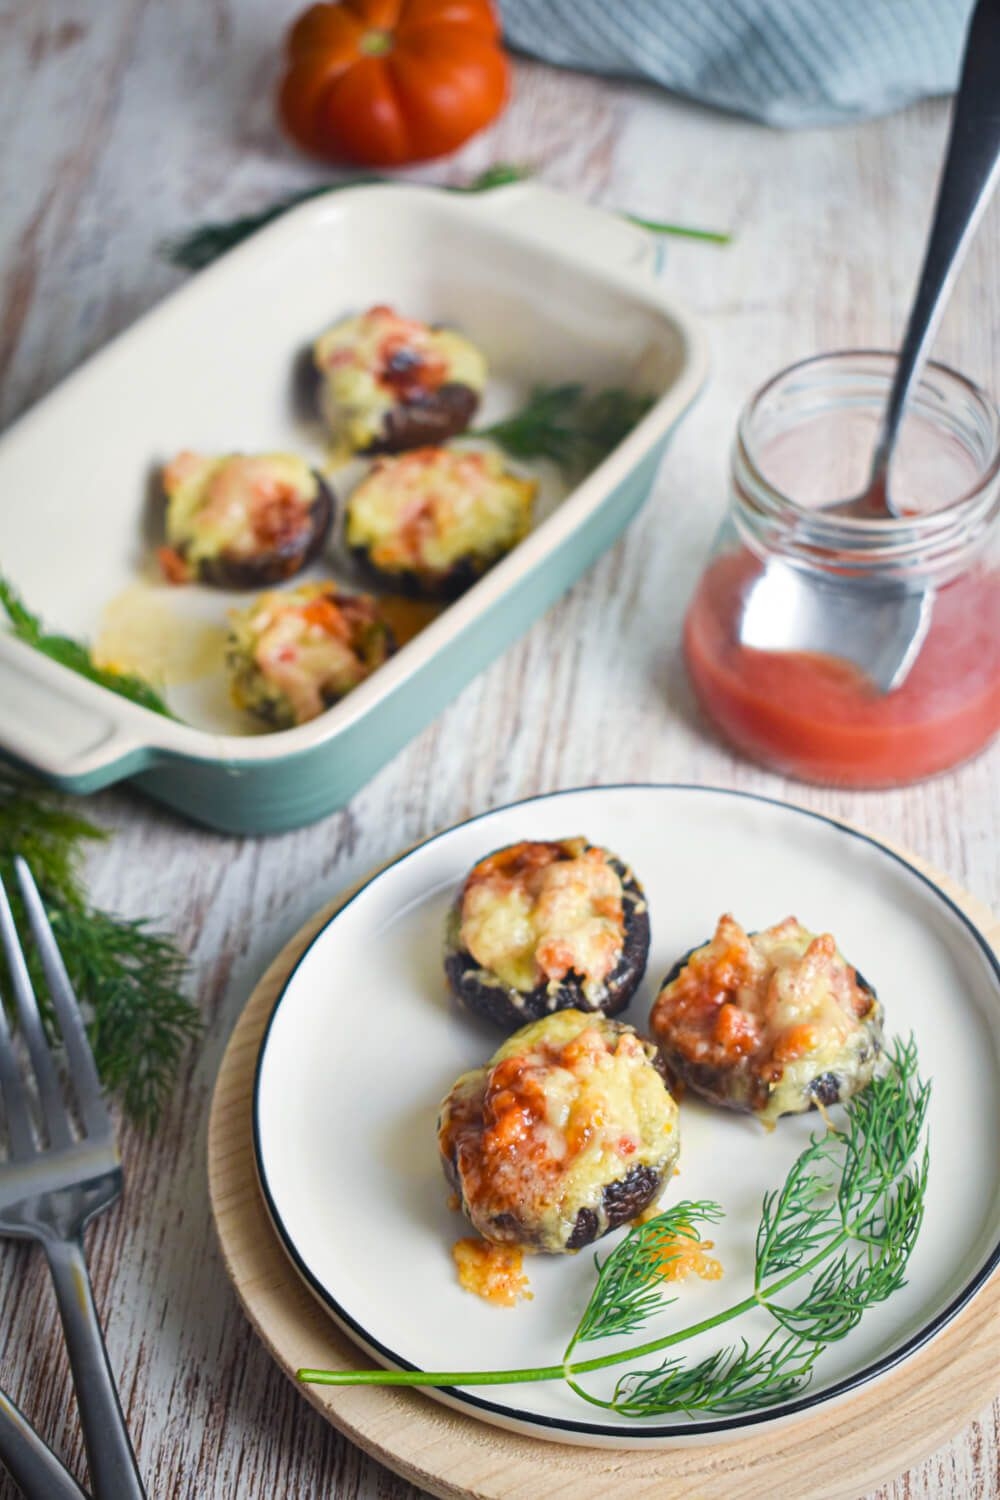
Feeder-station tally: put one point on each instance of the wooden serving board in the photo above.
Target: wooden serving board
(838, 1452)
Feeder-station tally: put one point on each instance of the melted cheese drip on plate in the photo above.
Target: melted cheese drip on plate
(493, 1272)
(685, 1255)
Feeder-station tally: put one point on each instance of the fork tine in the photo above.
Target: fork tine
(49, 1090)
(19, 1128)
(83, 1072)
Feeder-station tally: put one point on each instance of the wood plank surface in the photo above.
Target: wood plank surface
(128, 121)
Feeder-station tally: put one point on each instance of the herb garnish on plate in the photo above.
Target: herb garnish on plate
(843, 1224)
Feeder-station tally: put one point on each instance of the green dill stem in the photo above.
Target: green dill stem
(567, 1370)
(438, 1377)
(682, 231)
(520, 1377)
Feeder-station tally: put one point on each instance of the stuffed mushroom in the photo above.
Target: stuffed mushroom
(432, 521)
(242, 521)
(773, 1022)
(541, 927)
(566, 1133)
(291, 655)
(387, 383)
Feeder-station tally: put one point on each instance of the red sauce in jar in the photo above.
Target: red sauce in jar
(819, 718)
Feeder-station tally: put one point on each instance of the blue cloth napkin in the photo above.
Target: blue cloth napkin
(788, 62)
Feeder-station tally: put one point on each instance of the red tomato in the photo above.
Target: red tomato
(385, 82)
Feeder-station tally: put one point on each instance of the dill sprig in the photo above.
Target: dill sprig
(843, 1225)
(630, 1282)
(128, 977)
(75, 655)
(574, 428)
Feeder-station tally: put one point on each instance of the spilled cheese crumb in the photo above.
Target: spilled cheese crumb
(493, 1272)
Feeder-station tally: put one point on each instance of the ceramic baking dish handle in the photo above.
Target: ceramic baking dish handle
(559, 219)
(58, 724)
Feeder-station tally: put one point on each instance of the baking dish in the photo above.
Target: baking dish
(552, 289)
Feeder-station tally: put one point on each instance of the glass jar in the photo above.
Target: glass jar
(804, 442)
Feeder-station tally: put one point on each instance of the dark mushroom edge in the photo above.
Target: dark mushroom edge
(385, 383)
(421, 585)
(432, 418)
(280, 563)
(429, 419)
(485, 993)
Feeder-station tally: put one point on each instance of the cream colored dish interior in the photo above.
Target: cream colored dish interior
(214, 370)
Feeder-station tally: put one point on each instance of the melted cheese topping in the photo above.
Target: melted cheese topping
(781, 1006)
(566, 1106)
(379, 360)
(533, 913)
(295, 653)
(240, 504)
(493, 1272)
(425, 511)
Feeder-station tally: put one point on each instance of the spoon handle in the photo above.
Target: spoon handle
(971, 168)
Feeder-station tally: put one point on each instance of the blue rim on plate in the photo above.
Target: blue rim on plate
(682, 1429)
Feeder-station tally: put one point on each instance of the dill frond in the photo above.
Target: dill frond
(565, 423)
(128, 977)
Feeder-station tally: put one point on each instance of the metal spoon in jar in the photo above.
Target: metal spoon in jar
(882, 628)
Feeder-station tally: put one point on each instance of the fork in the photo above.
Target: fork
(30, 1462)
(55, 1180)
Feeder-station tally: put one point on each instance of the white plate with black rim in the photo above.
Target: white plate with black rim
(364, 1041)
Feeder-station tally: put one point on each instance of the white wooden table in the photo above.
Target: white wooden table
(128, 121)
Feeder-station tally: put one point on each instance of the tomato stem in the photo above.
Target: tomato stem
(376, 43)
